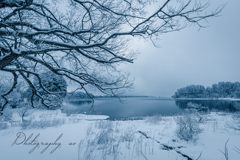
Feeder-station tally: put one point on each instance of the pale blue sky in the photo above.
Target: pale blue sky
(190, 56)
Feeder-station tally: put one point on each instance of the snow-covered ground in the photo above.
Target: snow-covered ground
(52, 135)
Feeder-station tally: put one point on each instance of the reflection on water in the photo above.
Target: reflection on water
(130, 108)
(141, 107)
(219, 105)
(86, 102)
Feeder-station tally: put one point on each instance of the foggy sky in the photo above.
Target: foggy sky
(190, 56)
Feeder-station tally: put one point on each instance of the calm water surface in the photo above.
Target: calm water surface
(140, 107)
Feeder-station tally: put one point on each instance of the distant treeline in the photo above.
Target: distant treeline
(78, 96)
(81, 95)
(220, 90)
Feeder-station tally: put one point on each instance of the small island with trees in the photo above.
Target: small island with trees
(220, 90)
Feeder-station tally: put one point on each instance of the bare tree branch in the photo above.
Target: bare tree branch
(85, 40)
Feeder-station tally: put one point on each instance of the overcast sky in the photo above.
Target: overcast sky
(190, 56)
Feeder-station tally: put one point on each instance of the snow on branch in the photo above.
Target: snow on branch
(85, 41)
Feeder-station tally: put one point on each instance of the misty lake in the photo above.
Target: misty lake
(138, 107)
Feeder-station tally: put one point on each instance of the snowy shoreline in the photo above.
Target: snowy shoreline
(94, 137)
(215, 99)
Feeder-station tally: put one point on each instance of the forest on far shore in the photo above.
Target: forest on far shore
(220, 90)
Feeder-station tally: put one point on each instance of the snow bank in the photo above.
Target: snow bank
(92, 137)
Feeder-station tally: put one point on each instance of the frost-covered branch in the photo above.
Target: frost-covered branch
(83, 40)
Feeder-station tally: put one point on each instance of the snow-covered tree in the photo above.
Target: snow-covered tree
(51, 83)
(84, 40)
(220, 90)
(13, 97)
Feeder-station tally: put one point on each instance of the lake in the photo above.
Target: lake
(138, 107)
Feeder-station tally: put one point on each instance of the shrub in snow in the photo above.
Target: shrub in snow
(128, 136)
(236, 123)
(103, 124)
(98, 145)
(3, 125)
(102, 141)
(104, 137)
(25, 110)
(197, 114)
(187, 128)
(200, 117)
(46, 123)
(25, 113)
(7, 115)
